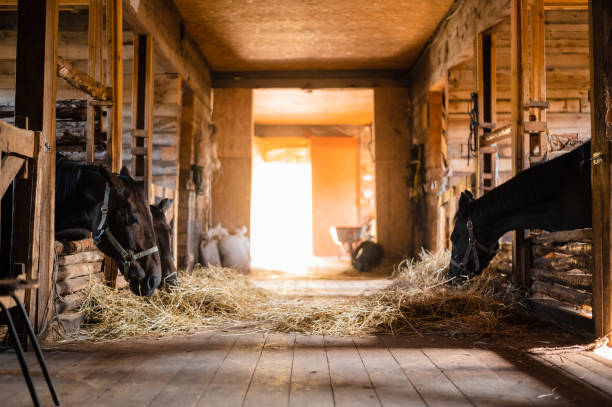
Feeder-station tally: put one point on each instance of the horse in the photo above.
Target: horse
(366, 256)
(112, 207)
(163, 233)
(553, 196)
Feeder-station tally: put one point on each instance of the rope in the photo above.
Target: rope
(473, 137)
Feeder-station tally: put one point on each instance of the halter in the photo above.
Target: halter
(472, 248)
(127, 256)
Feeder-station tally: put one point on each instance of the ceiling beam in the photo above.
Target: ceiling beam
(162, 20)
(311, 79)
(60, 2)
(566, 4)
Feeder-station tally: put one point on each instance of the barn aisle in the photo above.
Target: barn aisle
(263, 369)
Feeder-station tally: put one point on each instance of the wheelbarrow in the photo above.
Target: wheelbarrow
(347, 237)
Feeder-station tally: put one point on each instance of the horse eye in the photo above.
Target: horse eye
(132, 220)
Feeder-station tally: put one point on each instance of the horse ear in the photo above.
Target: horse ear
(464, 203)
(164, 204)
(125, 172)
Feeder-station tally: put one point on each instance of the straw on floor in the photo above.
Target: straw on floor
(418, 301)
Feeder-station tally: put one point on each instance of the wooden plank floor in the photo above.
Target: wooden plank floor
(265, 369)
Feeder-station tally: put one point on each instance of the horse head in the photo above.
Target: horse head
(472, 248)
(164, 233)
(124, 231)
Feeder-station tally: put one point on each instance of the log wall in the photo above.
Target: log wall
(561, 268)
(72, 125)
(78, 266)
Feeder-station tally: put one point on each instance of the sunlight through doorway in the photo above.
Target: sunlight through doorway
(281, 207)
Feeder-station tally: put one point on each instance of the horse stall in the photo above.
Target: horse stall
(131, 129)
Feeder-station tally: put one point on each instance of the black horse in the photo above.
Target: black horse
(164, 233)
(553, 196)
(113, 209)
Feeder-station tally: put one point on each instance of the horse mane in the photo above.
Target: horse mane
(70, 172)
(531, 185)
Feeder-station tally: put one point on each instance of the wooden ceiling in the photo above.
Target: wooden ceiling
(298, 106)
(264, 35)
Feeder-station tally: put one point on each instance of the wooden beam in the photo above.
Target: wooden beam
(114, 38)
(17, 141)
(311, 79)
(95, 69)
(71, 3)
(142, 111)
(393, 149)
(114, 31)
(566, 4)
(187, 196)
(35, 94)
(485, 84)
(162, 20)
(82, 81)
(433, 165)
(537, 79)
(518, 60)
(600, 38)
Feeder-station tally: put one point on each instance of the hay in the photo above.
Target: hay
(418, 301)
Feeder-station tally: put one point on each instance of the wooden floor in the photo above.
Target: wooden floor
(257, 369)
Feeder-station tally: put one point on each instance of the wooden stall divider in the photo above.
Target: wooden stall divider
(142, 113)
(600, 19)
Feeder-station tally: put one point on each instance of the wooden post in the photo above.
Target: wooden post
(177, 189)
(487, 115)
(231, 194)
(92, 27)
(393, 149)
(517, 48)
(537, 76)
(528, 85)
(116, 58)
(600, 36)
(35, 94)
(433, 165)
(114, 34)
(142, 112)
(477, 75)
(95, 69)
(186, 209)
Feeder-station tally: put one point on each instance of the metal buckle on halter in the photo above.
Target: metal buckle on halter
(98, 237)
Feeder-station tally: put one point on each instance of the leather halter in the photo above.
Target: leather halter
(472, 248)
(127, 256)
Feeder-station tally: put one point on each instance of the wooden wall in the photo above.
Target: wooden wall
(335, 186)
(231, 188)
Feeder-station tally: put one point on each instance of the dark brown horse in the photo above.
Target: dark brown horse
(553, 196)
(164, 233)
(113, 209)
